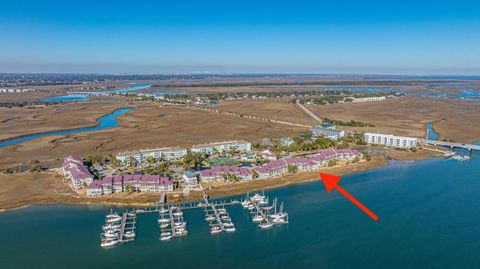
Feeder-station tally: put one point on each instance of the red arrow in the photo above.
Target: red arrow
(331, 182)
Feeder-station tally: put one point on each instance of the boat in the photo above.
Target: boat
(110, 234)
(165, 236)
(114, 220)
(163, 210)
(257, 218)
(461, 158)
(164, 220)
(448, 154)
(226, 217)
(111, 227)
(129, 234)
(164, 225)
(178, 213)
(108, 243)
(230, 229)
(112, 215)
(180, 224)
(251, 206)
(265, 225)
(180, 231)
(279, 221)
(215, 230)
(228, 224)
(210, 218)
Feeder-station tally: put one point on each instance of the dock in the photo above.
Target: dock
(172, 223)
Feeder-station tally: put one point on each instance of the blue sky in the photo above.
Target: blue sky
(382, 37)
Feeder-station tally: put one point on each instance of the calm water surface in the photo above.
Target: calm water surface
(429, 218)
(105, 122)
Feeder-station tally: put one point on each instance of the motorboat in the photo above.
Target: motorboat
(129, 234)
(279, 221)
(257, 218)
(114, 220)
(265, 225)
(164, 225)
(108, 243)
(210, 218)
(164, 220)
(178, 214)
(230, 229)
(215, 230)
(165, 236)
(163, 210)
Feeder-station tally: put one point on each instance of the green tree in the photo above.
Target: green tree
(292, 169)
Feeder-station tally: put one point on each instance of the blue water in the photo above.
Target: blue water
(66, 98)
(429, 218)
(105, 122)
(85, 97)
(432, 135)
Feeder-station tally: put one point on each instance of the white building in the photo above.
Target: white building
(225, 146)
(369, 99)
(158, 153)
(328, 131)
(191, 179)
(390, 140)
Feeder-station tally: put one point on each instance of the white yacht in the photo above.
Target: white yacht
(210, 218)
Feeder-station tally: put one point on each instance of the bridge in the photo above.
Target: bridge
(451, 145)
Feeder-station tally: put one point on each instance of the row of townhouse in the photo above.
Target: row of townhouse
(218, 173)
(140, 182)
(78, 174)
(314, 162)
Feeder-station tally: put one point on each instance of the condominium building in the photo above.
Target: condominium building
(225, 146)
(390, 140)
(369, 99)
(74, 169)
(328, 131)
(158, 153)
